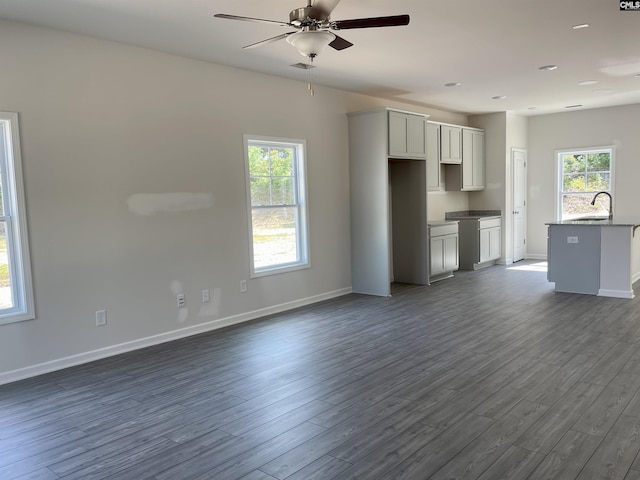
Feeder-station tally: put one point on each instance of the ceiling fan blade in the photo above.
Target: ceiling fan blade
(340, 43)
(269, 40)
(393, 21)
(321, 9)
(250, 19)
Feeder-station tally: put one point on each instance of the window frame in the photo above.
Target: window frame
(560, 173)
(302, 236)
(14, 215)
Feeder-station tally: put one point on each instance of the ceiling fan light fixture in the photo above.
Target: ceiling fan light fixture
(311, 43)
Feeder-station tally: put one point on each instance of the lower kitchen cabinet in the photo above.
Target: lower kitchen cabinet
(480, 242)
(490, 248)
(443, 250)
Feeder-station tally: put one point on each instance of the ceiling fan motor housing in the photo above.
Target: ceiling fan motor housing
(302, 18)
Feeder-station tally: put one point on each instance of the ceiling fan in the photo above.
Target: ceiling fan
(313, 27)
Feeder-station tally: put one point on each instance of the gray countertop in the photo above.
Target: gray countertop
(435, 223)
(474, 217)
(472, 214)
(615, 222)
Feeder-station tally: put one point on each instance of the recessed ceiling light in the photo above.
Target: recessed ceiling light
(573, 106)
(548, 68)
(532, 108)
(637, 75)
(499, 97)
(587, 82)
(581, 25)
(452, 84)
(602, 91)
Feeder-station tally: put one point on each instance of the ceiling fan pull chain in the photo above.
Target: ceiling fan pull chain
(310, 84)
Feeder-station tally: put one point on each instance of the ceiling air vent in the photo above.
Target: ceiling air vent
(303, 66)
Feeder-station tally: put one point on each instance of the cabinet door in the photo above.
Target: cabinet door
(495, 249)
(485, 245)
(478, 160)
(398, 128)
(450, 144)
(437, 256)
(416, 145)
(450, 253)
(490, 244)
(472, 160)
(467, 159)
(406, 135)
(433, 156)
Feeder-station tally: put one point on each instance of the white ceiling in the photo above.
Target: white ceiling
(492, 47)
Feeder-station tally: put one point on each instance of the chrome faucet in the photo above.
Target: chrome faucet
(593, 202)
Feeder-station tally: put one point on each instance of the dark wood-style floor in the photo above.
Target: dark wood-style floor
(488, 375)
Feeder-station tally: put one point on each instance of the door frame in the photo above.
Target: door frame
(513, 191)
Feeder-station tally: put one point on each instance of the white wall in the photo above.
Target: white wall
(440, 202)
(104, 125)
(617, 126)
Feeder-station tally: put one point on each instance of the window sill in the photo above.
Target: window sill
(277, 270)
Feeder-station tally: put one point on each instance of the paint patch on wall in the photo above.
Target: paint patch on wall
(176, 287)
(147, 204)
(212, 308)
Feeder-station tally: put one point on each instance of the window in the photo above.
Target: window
(16, 296)
(581, 174)
(276, 189)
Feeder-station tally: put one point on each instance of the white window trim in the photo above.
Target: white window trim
(559, 172)
(18, 246)
(303, 234)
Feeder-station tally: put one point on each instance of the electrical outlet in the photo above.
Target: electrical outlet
(180, 300)
(205, 296)
(101, 318)
(572, 239)
(243, 286)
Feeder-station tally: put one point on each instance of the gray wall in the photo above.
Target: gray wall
(135, 190)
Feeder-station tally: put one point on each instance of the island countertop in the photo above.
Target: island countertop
(603, 222)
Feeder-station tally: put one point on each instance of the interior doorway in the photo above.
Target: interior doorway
(519, 202)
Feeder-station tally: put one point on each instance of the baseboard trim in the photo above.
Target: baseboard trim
(86, 357)
(536, 256)
(635, 278)
(615, 293)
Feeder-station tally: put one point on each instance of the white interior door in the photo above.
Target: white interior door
(519, 213)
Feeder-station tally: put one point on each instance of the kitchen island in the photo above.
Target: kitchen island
(593, 256)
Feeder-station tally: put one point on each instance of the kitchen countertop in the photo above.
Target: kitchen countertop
(472, 214)
(474, 217)
(605, 222)
(435, 223)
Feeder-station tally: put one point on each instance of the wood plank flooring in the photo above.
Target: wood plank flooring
(488, 375)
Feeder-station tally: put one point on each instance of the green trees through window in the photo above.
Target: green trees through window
(583, 174)
(276, 189)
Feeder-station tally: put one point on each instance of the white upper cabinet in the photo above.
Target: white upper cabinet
(469, 175)
(472, 159)
(433, 156)
(450, 144)
(407, 135)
